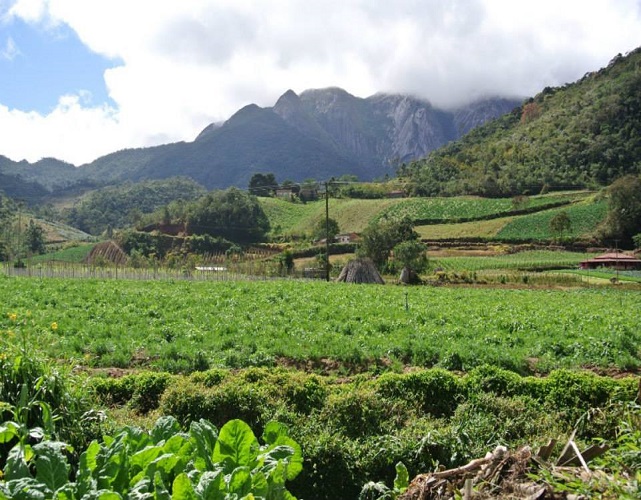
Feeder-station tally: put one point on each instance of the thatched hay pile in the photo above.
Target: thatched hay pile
(107, 251)
(360, 271)
(409, 277)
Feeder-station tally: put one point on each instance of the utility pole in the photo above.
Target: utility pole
(326, 231)
(616, 259)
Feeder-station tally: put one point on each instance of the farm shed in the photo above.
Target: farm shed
(622, 261)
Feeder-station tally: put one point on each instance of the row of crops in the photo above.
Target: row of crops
(181, 326)
(525, 261)
(463, 208)
(584, 218)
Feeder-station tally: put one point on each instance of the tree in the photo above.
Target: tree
(35, 239)
(411, 255)
(624, 209)
(6, 214)
(230, 214)
(327, 230)
(520, 201)
(379, 238)
(560, 223)
(262, 184)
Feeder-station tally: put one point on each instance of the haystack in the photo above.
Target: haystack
(360, 271)
(107, 251)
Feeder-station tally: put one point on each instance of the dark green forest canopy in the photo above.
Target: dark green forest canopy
(230, 214)
(120, 206)
(584, 134)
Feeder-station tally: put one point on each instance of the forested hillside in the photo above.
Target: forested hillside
(121, 206)
(585, 134)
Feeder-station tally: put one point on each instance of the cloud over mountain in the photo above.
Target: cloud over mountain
(180, 65)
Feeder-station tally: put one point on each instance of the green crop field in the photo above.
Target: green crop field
(184, 326)
(483, 229)
(584, 218)
(354, 215)
(347, 416)
(525, 261)
(471, 207)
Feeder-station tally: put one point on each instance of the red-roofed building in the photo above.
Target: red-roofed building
(617, 260)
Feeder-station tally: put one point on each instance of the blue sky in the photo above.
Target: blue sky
(82, 78)
(40, 65)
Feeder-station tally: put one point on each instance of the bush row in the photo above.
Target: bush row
(353, 431)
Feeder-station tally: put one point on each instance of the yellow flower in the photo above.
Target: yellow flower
(54, 326)
(13, 316)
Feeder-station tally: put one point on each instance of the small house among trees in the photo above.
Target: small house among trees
(621, 261)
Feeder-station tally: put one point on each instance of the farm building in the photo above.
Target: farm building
(616, 260)
(347, 238)
(285, 193)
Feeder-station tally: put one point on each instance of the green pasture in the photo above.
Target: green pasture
(286, 217)
(75, 254)
(184, 326)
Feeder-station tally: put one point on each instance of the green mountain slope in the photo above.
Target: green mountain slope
(585, 134)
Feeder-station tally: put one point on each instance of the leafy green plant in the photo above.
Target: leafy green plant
(163, 463)
(380, 491)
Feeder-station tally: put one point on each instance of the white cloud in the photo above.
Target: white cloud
(10, 50)
(72, 131)
(185, 64)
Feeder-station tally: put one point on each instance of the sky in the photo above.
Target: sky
(83, 78)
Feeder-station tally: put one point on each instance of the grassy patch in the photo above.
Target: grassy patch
(74, 254)
(297, 218)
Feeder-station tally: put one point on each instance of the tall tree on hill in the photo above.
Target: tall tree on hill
(326, 229)
(379, 238)
(624, 209)
(262, 184)
(231, 214)
(412, 257)
(35, 238)
(560, 223)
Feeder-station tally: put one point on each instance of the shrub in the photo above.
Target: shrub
(494, 420)
(493, 379)
(359, 411)
(435, 391)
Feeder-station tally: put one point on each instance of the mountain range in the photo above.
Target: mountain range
(318, 134)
